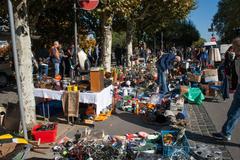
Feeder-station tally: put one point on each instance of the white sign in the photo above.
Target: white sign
(224, 48)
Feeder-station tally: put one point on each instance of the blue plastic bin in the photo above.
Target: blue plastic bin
(168, 150)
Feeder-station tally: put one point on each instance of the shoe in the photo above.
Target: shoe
(221, 136)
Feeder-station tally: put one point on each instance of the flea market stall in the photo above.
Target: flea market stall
(136, 93)
(72, 94)
(101, 99)
(133, 90)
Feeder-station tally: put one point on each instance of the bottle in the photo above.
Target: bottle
(137, 107)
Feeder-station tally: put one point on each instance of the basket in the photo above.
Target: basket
(168, 150)
(48, 136)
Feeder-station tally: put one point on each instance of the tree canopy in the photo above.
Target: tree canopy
(159, 14)
(226, 20)
(53, 22)
(181, 33)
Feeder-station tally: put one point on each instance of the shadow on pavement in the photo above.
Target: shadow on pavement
(138, 120)
(209, 140)
(9, 88)
(212, 100)
(36, 158)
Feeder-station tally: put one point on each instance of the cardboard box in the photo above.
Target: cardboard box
(211, 79)
(183, 89)
(205, 89)
(210, 72)
(210, 75)
(217, 83)
(194, 78)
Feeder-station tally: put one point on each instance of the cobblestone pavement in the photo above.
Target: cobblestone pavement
(200, 129)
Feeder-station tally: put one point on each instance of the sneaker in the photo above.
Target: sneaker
(221, 136)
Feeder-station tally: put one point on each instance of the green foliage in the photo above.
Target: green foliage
(180, 33)
(158, 14)
(199, 42)
(53, 19)
(226, 19)
(119, 38)
(122, 7)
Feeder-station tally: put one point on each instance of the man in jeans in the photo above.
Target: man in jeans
(233, 114)
(164, 64)
(56, 59)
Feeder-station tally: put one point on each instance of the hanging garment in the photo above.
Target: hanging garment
(214, 55)
(83, 61)
(70, 103)
(217, 55)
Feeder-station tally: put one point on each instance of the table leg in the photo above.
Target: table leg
(48, 111)
(72, 120)
(43, 109)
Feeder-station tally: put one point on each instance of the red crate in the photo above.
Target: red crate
(48, 136)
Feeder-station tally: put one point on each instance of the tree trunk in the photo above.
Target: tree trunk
(155, 44)
(129, 40)
(107, 41)
(24, 52)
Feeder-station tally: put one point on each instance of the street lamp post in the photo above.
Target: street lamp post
(15, 56)
(75, 30)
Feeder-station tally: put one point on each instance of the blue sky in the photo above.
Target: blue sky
(203, 15)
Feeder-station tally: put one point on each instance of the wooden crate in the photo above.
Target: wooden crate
(96, 81)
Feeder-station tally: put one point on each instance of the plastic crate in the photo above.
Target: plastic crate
(168, 150)
(48, 136)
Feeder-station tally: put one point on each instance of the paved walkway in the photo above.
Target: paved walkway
(200, 130)
(204, 119)
(218, 114)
